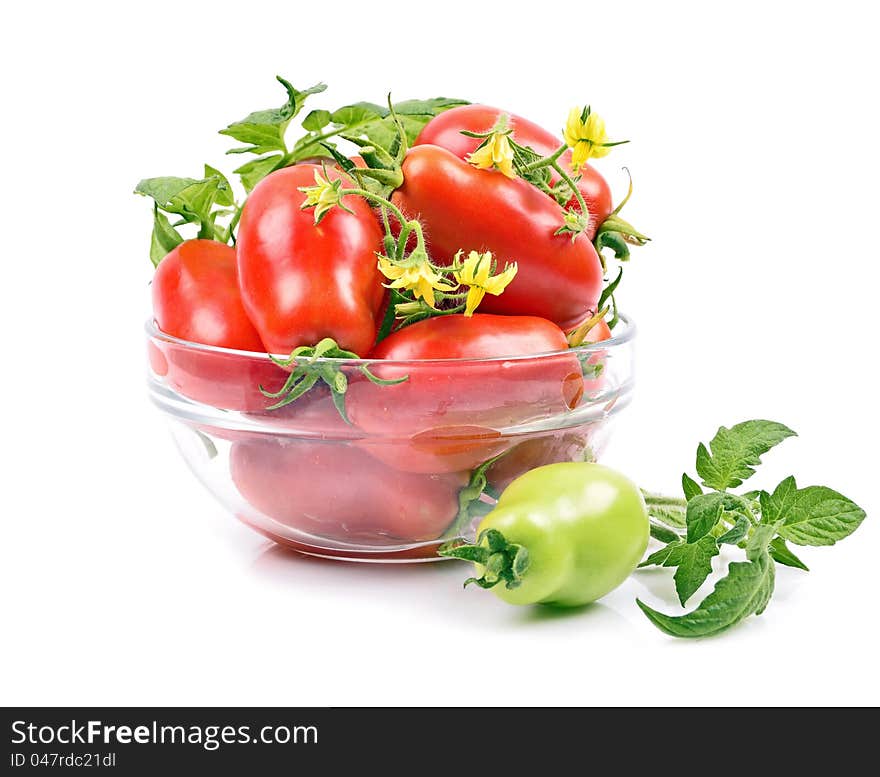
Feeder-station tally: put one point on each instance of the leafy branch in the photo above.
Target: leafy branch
(371, 127)
(760, 523)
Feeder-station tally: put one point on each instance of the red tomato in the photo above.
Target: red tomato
(598, 332)
(335, 491)
(196, 297)
(302, 282)
(449, 415)
(230, 381)
(465, 208)
(445, 130)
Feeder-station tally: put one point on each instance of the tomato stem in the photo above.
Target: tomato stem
(573, 186)
(546, 161)
(501, 560)
(661, 500)
(406, 225)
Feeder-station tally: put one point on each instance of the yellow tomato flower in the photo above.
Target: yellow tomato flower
(585, 135)
(496, 153)
(418, 277)
(476, 273)
(322, 196)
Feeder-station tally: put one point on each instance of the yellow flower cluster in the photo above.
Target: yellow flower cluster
(475, 272)
(418, 277)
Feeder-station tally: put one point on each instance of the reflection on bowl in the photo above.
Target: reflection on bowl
(398, 476)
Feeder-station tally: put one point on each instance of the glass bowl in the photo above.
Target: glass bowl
(412, 464)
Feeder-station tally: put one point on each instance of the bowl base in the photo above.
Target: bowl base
(413, 555)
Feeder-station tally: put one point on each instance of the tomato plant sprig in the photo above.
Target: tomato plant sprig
(760, 523)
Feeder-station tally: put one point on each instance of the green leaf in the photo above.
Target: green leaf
(316, 120)
(776, 506)
(190, 198)
(759, 543)
(610, 288)
(745, 590)
(358, 114)
(427, 109)
(165, 189)
(735, 452)
(164, 238)
(815, 515)
(224, 195)
(780, 552)
(737, 532)
(690, 486)
(251, 173)
(264, 130)
(694, 562)
(659, 556)
(703, 513)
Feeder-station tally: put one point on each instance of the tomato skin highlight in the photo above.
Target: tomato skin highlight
(336, 491)
(301, 282)
(445, 130)
(196, 297)
(461, 207)
(585, 527)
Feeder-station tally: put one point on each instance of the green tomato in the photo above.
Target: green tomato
(583, 527)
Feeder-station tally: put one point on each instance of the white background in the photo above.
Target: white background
(755, 161)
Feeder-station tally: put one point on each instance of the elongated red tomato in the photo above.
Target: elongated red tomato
(445, 130)
(302, 282)
(335, 491)
(465, 208)
(447, 416)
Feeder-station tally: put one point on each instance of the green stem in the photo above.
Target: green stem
(573, 186)
(292, 155)
(410, 225)
(206, 230)
(661, 500)
(547, 161)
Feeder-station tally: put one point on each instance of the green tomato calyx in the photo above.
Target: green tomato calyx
(309, 364)
(501, 560)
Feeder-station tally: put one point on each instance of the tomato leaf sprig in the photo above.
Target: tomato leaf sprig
(192, 201)
(760, 523)
(368, 125)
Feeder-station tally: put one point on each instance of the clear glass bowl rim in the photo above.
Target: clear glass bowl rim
(624, 336)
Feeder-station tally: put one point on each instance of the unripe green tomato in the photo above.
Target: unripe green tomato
(585, 527)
